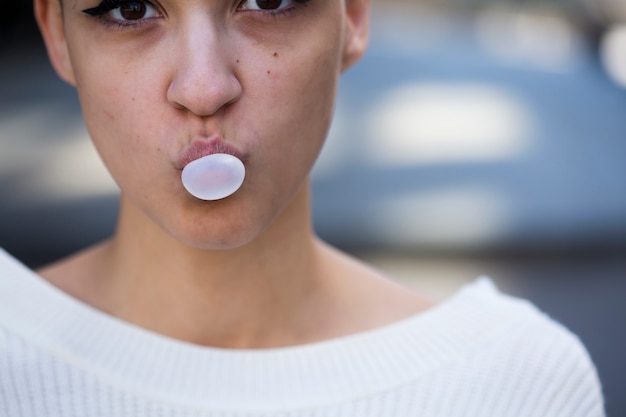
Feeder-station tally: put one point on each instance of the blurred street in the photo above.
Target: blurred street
(457, 150)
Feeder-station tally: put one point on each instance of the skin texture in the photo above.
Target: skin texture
(189, 72)
(245, 271)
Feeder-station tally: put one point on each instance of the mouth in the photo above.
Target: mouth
(203, 147)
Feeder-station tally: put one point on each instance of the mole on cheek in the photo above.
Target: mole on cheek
(275, 55)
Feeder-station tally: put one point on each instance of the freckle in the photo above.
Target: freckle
(275, 54)
(269, 72)
(237, 61)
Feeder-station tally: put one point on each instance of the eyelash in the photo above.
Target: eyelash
(102, 10)
(281, 12)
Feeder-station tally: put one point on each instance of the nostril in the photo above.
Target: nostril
(204, 90)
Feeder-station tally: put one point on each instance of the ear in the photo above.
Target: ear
(357, 31)
(49, 16)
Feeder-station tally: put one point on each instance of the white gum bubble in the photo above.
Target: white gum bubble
(213, 177)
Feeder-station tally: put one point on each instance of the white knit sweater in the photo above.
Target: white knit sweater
(479, 353)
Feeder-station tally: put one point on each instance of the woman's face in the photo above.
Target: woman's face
(162, 82)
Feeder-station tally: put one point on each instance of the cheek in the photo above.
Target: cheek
(299, 90)
(120, 109)
(117, 129)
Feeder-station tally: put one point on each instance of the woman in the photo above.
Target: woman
(232, 306)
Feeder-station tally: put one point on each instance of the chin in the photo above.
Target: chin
(217, 241)
(218, 228)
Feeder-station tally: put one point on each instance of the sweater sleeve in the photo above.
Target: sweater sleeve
(561, 372)
(579, 392)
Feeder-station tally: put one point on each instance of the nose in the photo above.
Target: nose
(204, 80)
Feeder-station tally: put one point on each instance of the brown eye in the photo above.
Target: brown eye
(268, 4)
(125, 12)
(133, 10)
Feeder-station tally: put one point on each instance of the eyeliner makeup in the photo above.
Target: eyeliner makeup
(105, 6)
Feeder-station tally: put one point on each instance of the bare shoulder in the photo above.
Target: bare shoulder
(75, 274)
(378, 299)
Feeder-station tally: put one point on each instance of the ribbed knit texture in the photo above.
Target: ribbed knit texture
(479, 353)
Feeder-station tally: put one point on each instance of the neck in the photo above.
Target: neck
(283, 288)
(214, 297)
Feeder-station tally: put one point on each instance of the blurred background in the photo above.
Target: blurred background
(475, 137)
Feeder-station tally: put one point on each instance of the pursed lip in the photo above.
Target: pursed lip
(203, 147)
